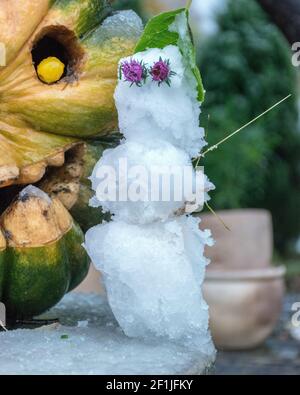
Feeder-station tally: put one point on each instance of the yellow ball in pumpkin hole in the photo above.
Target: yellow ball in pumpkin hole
(50, 70)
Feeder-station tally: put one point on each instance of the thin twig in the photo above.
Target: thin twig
(217, 216)
(216, 146)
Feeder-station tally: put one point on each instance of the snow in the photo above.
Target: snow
(100, 348)
(153, 160)
(126, 24)
(151, 255)
(82, 324)
(167, 113)
(33, 191)
(151, 274)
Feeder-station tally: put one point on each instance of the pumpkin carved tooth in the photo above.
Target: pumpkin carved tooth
(8, 175)
(33, 173)
(57, 160)
(64, 183)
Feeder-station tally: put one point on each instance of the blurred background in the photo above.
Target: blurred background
(245, 54)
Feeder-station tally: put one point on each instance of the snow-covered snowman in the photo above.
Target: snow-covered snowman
(151, 255)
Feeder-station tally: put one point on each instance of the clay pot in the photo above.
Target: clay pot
(248, 244)
(244, 305)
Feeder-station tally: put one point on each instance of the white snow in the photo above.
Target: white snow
(167, 113)
(126, 24)
(82, 324)
(33, 191)
(150, 161)
(153, 275)
(101, 348)
(151, 256)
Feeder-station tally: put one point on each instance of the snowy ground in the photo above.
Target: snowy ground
(101, 348)
(89, 341)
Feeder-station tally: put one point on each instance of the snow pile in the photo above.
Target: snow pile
(152, 259)
(158, 160)
(153, 275)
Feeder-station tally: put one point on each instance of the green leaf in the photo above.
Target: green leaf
(157, 33)
(172, 28)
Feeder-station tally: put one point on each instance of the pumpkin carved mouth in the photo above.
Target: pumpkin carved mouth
(52, 133)
(61, 179)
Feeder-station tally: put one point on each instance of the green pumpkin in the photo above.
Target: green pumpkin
(42, 257)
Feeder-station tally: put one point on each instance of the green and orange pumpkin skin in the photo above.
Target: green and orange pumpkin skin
(41, 256)
(51, 134)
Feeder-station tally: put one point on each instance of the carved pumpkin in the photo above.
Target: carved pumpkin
(57, 114)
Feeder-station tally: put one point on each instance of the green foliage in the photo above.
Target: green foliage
(247, 68)
(172, 28)
(157, 32)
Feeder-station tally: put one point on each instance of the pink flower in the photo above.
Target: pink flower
(161, 72)
(134, 72)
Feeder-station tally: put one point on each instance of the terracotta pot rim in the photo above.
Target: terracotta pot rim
(264, 274)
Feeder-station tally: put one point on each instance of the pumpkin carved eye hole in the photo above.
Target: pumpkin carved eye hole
(57, 42)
